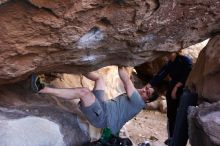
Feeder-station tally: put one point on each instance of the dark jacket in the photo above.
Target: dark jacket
(178, 70)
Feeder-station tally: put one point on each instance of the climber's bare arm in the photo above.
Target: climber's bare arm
(128, 85)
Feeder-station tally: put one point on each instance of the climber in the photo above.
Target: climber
(112, 114)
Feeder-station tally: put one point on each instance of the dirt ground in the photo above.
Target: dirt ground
(148, 125)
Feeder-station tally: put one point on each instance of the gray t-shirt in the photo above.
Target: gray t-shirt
(121, 109)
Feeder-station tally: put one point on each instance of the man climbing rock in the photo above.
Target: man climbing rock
(112, 114)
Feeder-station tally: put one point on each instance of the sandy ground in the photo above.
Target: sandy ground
(148, 125)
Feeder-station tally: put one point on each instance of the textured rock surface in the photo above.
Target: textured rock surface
(205, 76)
(194, 50)
(77, 36)
(40, 125)
(204, 125)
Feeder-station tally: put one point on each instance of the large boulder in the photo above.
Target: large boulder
(36, 125)
(79, 36)
(204, 121)
(205, 77)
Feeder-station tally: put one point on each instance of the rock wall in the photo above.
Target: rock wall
(204, 121)
(204, 79)
(78, 36)
(40, 125)
(205, 76)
